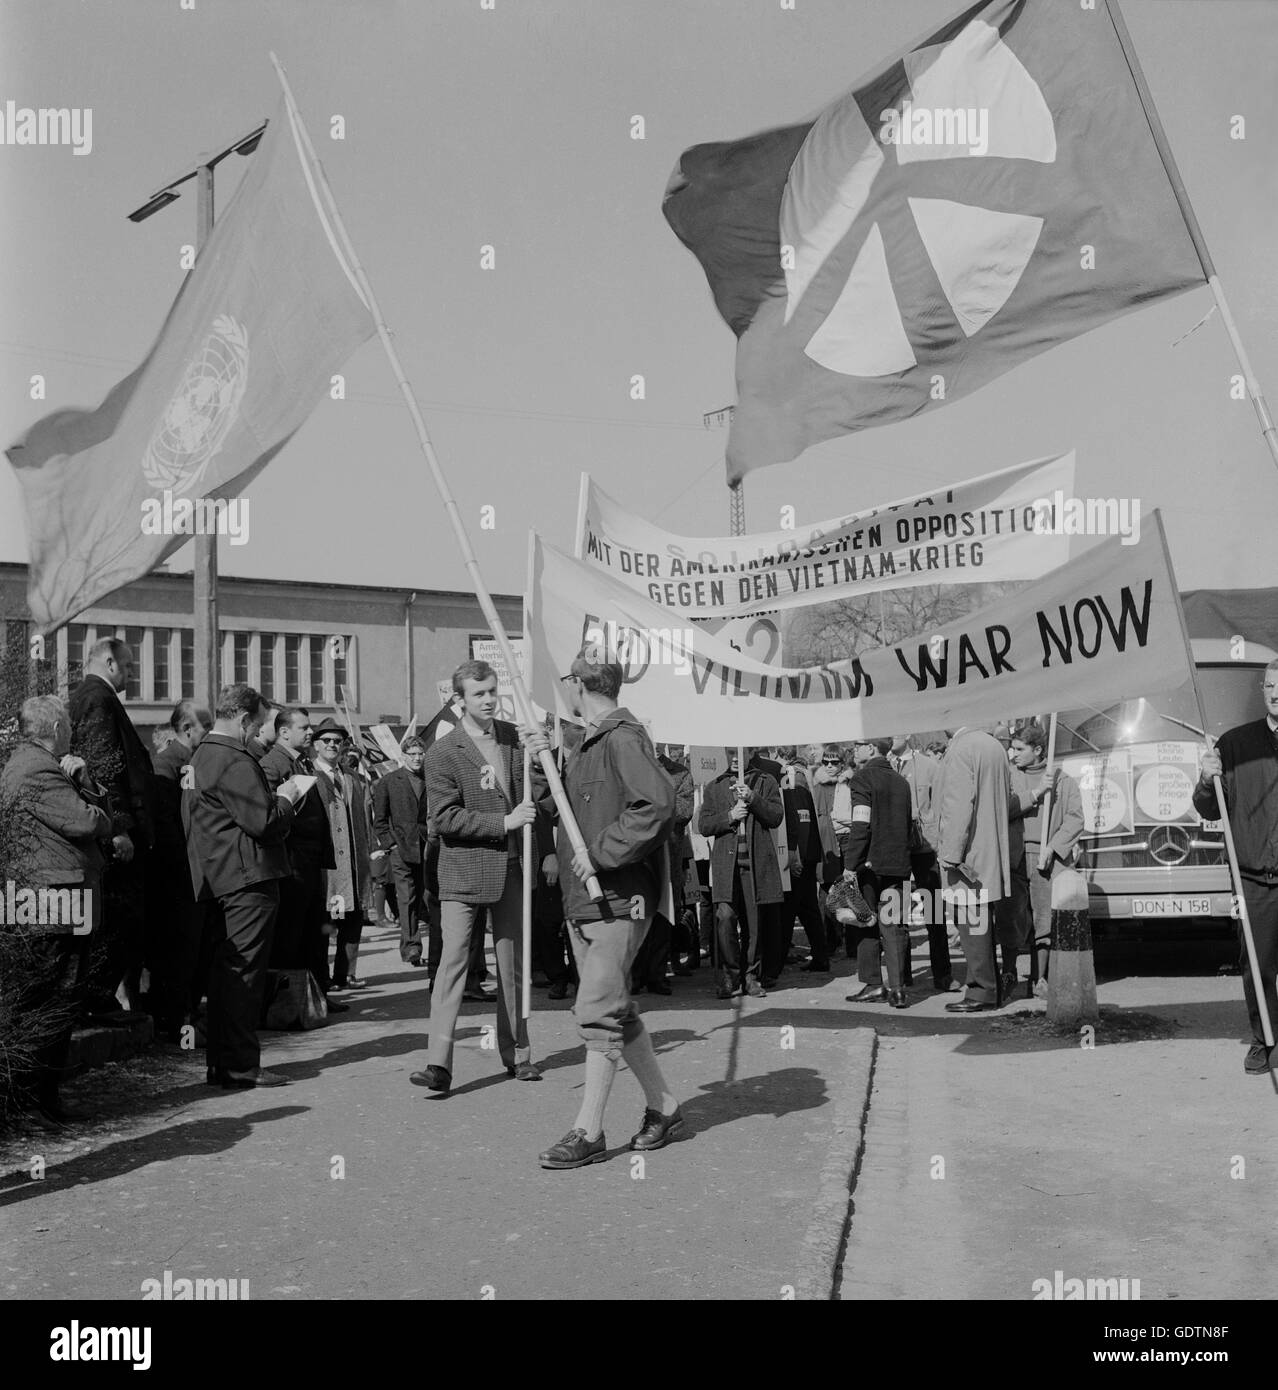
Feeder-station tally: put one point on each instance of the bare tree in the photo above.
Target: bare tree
(843, 629)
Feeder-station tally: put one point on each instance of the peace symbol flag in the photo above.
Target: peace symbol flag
(986, 194)
(270, 311)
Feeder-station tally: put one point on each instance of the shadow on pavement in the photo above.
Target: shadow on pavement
(210, 1136)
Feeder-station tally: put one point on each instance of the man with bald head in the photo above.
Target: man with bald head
(117, 759)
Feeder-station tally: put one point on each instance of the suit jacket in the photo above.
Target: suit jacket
(103, 735)
(766, 813)
(469, 817)
(350, 825)
(56, 824)
(235, 826)
(974, 798)
(400, 821)
(309, 841)
(166, 802)
(923, 774)
(879, 837)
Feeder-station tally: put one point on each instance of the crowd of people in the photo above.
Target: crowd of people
(256, 841)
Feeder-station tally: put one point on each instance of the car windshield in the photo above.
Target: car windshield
(1231, 695)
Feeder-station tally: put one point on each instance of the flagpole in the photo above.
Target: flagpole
(1231, 852)
(522, 699)
(1044, 824)
(1161, 143)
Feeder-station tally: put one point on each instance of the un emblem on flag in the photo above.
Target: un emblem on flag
(198, 418)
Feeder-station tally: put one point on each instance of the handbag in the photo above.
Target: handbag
(293, 1000)
(846, 905)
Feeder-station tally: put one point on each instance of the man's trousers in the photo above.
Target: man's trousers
(1262, 912)
(607, 1018)
(458, 923)
(974, 919)
(409, 880)
(891, 937)
(738, 932)
(244, 925)
(803, 902)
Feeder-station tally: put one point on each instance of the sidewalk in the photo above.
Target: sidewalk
(1152, 1160)
(443, 1197)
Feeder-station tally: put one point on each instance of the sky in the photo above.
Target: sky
(511, 127)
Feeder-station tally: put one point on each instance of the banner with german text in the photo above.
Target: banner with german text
(999, 526)
(1107, 626)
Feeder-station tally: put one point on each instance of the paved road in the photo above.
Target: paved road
(442, 1197)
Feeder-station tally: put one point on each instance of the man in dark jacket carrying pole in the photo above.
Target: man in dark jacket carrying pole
(625, 805)
(739, 810)
(878, 851)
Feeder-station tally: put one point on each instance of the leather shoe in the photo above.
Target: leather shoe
(755, 990)
(815, 968)
(525, 1071)
(557, 991)
(942, 983)
(249, 1083)
(574, 1150)
(434, 1079)
(659, 987)
(969, 1006)
(658, 1130)
(1257, 1061)
(871, 994)
(897, 999)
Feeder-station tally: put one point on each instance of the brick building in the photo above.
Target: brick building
(297, 642)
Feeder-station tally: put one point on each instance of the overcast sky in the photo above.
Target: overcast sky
(511, 127)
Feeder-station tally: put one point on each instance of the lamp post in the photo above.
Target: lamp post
(208, 674)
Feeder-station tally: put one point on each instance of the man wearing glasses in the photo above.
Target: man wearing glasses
(399, 822)
(1246, 761)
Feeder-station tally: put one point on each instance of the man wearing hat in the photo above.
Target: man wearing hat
(349, 888)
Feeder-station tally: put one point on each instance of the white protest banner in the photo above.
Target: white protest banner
(974, 532)
(1105, 627)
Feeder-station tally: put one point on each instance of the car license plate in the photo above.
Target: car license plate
(1170, 906)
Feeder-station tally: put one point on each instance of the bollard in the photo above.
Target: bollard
(1071, 970)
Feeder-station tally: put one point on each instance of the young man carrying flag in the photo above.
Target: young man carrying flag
(625, 805)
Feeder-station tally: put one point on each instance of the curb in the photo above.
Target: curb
(94, 1047)
(826, 1236)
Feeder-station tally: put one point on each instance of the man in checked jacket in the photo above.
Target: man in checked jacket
(478, 806)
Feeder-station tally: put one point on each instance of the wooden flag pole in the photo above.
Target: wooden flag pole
(522, 698)
(1046, 822)
(1267, 430)
(1235, 877)
(529, 872)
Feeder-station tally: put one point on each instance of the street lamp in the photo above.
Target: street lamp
(204, 608)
